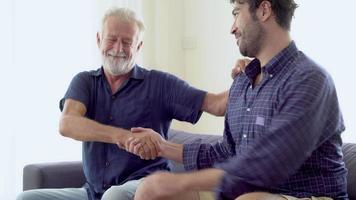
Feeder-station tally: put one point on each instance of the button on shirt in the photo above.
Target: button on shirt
(148, 99)
(281, 135)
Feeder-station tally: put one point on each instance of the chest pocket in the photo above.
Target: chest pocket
(132, 113)
(251, 125)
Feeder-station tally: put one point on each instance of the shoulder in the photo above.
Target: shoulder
(305, 66)
(91, 73)
(161, 79)
(306, 69)
(88, 75)
(159, 73)
(161, 76)
(85, 79)
(304, 77)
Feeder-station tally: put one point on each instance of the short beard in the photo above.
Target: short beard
(251, 44)
(117, 67)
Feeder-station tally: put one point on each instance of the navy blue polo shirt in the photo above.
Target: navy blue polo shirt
(150, 99)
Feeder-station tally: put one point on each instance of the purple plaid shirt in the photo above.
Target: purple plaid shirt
(281, 136)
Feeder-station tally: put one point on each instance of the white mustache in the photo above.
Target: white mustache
(119, 55)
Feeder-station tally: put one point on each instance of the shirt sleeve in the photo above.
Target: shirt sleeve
(198, 155)
(79, 89)
(307, 115)
(181, 101)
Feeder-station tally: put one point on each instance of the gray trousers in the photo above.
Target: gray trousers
(125, 191)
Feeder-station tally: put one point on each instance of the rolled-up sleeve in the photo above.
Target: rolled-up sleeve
(79, 89)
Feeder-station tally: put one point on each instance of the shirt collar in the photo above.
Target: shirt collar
(136, 73)
(253, 69)
(274, 65)
(281, 59)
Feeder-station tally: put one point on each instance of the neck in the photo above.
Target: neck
(115, 82)
(273, 44)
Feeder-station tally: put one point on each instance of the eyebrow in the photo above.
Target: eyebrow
(235, 10)
(110, 36)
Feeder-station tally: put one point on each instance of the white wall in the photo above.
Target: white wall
(325, 30)
(162, 42)
(44, 48)
(43, 45)
(190, 38)
(209, 64)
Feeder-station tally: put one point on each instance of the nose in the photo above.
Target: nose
(233, 28)
(117, 47)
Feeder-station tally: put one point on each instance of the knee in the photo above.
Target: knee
(27, 195)
(118, 192)
(259, 196)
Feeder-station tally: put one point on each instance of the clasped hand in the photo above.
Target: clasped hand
(144, 142)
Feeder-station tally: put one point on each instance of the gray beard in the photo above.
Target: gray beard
(117, 68)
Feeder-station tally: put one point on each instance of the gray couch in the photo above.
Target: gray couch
(70, 174)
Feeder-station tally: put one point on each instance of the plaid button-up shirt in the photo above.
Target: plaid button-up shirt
(282, 135)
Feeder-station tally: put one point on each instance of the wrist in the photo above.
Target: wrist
(120, 137)
(184, 181)
(172, 151)
(164, 148)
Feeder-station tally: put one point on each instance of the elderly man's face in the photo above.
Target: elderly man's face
(119, 45)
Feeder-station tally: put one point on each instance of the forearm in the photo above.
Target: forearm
(198, 155)
(216, 104)
(172, 151)
(84, 129)
(202, 180)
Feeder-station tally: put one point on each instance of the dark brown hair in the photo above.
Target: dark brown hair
(283, 9)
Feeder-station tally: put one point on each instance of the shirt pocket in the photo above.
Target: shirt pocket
(135, 113)
(253, 131)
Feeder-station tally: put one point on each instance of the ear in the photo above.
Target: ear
(98, 40)
(265, 11)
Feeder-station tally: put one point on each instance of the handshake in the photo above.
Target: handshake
(143, 142)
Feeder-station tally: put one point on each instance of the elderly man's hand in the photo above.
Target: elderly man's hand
(161, 185)
(239, 67)
(144, 142)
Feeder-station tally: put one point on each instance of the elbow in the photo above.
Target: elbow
(217, 108)
(221, 105)
(64, 126)
(222, 111)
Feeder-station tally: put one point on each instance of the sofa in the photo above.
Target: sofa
(70, 174)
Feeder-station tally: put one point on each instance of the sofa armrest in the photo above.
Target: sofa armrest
(349, 151)
(53, 175)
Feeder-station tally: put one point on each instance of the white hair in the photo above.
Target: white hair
(126, 15)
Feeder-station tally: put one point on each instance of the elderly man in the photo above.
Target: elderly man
(282, 128)
(101, 106)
